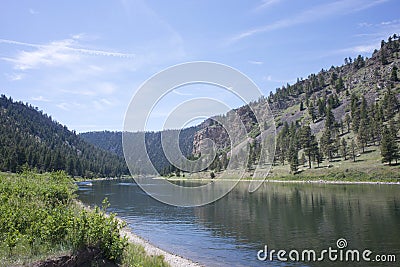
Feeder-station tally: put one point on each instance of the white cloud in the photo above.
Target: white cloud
(63, 106)
(40, 99)
(107, 102)
(81, 92)
(361, 49)
(103, 103)
(54, 53)
(255, 62)
(390, 22)
(67, 106)
(315, 13)
(267, 3)
(106, 88)
(33, 12)
(364, 24)
(15, 76)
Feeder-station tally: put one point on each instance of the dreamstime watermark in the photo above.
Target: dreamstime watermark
(236, 126)
(333, 254)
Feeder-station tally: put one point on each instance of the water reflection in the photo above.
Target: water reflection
(230, 231)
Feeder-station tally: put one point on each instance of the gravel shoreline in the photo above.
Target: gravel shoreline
(171, 259)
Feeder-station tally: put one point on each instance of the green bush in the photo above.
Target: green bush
(39, 214)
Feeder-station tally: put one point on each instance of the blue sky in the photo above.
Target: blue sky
(82, 61)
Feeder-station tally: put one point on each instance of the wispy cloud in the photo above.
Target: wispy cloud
(40, 99)
(54, 53)
(103, 104)
(255, 62)
(14, 76)
(269, 78)
(315, 13)
(390, 22)
(266, 4)
(364, 24)
(103, 88)
(33, 11)
(360, 49)
(63, 106)
(67, 106)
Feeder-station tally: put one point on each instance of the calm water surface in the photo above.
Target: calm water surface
(229, 232)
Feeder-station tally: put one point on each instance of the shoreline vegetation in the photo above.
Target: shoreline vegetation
(43, 224)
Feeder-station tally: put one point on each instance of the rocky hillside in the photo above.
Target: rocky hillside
(330, 116)
(368, 77)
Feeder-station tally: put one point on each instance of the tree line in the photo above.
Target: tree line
(29, 138)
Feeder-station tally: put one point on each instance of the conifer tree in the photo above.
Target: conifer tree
(343, 148)
(393, 74)
(363, 134)
(389, 148)
(293, 157)
(347, 120)
(353, 150)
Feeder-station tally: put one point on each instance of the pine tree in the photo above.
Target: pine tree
(343, 148)
(347, 120)
(293, 157)
(311, 111)
(393, 75)
(326, 143)
(389, 148)
(321, 107)
(330, 118)
(390, 104)
(363, 134)
(353, 150)
(308, 142)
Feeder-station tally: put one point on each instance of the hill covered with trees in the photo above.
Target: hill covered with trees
(112, 141)
(30, 138)
(345, 119)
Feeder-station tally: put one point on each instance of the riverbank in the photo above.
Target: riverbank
(314, 181)
(151, 250)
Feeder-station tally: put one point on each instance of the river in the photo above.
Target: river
(281, 216)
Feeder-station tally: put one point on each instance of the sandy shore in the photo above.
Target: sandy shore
(171, 259)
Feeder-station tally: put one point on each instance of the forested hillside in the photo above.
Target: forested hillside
(30, 138)
(345, 117)
(112, 141)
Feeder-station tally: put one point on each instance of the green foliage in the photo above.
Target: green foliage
(135, 256)
(389, 148)
(38, 213)
(393, 74)
(29, 137)
(293, 157)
